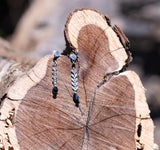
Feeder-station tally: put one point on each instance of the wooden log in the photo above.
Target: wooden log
(36, 27)
(112, 114)
(12, 65)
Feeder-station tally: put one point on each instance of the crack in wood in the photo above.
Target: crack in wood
(139, 130)
(140, 146)
(3, 98)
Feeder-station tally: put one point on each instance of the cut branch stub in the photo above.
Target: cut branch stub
(88, 33)
(110, 112)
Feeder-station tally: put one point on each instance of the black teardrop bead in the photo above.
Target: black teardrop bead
(76, 99)
(55, 91)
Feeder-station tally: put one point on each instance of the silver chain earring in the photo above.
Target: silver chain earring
(74, 79)
(54, 74)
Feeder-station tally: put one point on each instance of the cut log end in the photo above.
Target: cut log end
(112, 113)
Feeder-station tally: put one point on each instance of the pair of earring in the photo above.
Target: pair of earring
(74, 77)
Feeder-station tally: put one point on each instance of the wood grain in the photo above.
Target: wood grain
(113, 113)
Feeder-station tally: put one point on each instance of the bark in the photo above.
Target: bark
(113, 112)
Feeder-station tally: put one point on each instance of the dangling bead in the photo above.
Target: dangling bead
(76, 99)
(55, 92)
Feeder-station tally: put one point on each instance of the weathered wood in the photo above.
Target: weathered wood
(112, 114)
(12, 65)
